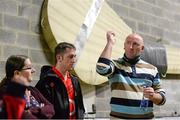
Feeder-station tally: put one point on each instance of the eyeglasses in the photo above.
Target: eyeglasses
(29, 68)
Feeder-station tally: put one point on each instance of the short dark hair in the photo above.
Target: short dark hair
(61, 48)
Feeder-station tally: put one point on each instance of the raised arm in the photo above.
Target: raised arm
(104, 64)
(106, 53)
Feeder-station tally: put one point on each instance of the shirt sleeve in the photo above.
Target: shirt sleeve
(158, 88)
(105, 67)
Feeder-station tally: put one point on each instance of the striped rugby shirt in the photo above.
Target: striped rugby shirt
(126, 82)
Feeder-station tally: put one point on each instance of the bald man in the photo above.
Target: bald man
(131, 80)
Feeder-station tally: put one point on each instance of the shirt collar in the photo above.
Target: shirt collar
(131, 61)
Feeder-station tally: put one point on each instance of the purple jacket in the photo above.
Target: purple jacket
(36, 112)
(45, 112)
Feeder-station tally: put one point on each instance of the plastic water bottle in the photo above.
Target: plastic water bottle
(145, 101)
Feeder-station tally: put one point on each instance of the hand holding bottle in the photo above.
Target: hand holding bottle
(148, 92)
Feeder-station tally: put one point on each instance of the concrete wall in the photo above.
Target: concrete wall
(153, 19)
(20, 32)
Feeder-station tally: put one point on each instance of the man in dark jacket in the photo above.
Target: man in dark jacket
(60, 87)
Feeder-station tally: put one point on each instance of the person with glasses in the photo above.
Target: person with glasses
(131, 80)
(18, 99)
(60, 87)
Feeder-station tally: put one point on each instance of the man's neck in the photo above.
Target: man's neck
(62, 70)
(131, 61)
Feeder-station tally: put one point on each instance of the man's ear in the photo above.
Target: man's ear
(59, 58)
(142, 47)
